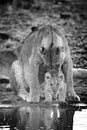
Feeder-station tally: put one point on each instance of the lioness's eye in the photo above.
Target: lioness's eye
(41, 49)
(57, 50)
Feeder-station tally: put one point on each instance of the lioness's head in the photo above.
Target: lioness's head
(46, 44)
(52, 45)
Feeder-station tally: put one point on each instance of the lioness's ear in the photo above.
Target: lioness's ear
(34, 28)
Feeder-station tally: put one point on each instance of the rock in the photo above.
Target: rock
(79, 73)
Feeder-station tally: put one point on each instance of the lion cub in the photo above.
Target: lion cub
(53, 88)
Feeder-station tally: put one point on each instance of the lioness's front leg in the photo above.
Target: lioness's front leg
(17, 81)
(67, 70)
(31, 77)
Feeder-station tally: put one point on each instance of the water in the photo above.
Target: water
(44, 118)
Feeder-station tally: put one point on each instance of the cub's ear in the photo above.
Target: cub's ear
(34, 28)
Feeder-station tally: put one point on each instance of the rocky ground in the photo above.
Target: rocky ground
(15, 24)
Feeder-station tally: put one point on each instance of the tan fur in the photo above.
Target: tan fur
(49, 46)
(54, 87)
(47, 88)
(58, 87)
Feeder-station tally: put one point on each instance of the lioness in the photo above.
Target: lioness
(44, 50)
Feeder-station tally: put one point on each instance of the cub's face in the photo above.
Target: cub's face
(52, 49)
(53, 83)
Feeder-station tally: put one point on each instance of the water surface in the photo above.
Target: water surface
(44, 118)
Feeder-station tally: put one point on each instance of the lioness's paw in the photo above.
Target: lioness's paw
(24, 96)
(63, 103)
(72, 97)
(33, 99)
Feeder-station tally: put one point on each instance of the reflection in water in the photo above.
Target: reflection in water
(80, 120)
(41, 118)
(8, 119)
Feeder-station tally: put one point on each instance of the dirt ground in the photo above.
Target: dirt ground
(15, 24)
